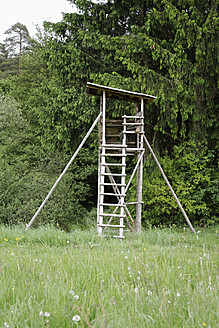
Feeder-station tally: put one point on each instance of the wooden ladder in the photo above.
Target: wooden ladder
(111, 188)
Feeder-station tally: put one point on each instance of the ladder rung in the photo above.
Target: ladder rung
(132, 132)
(133, 123)
(113, 215)
(108, 204)
(111, 225)
(112, 194)
(114, 155)
(113, 184)
(134, 117)
(113, 164)
(114, 174)
(133, 203)
(116, 146)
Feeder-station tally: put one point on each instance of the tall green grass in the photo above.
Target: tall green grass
(162, 278)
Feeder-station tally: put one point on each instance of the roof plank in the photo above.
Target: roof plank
(93, 89)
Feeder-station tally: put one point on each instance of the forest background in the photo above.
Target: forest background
(168, 49)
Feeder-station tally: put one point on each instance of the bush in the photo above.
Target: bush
(28, 172)
(191, 174)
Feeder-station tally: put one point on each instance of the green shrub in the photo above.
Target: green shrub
(190, 172)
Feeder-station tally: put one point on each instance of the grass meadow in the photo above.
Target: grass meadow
(162, 278)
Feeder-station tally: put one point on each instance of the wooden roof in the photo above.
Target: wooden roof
(118, 94)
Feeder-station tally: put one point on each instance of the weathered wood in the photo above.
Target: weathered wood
(139, 173)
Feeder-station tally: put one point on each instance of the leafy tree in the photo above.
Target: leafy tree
(16, 43)
(27, 173)
(165, 48)
(17, 40)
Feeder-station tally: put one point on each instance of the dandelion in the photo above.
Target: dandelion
(76, 297)
(136, 289)
(204, 324)
(41, 313)
(47, 314)
(76, 318)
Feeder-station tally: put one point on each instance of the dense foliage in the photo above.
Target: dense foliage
(165, 48)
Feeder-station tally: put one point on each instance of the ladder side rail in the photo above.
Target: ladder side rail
(102, 167)
(122, 199)
(139, 172)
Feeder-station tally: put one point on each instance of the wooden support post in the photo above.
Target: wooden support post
(139, 174)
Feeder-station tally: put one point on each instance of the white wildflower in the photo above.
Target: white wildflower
(47, 314)
(136, 289)
(41, 313)
(76, 297)
(6, 324)
(178, 294)
(149, 293)
(71, 292)
(76, 318)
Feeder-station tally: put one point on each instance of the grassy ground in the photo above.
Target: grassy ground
(162, 278)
